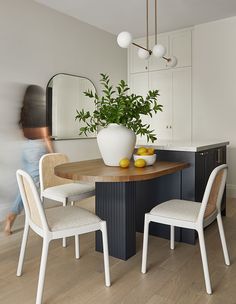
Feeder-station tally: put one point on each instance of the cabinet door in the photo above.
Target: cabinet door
(180, 47)
(138, 84)
(181, 94)
(161, 122)
(137, 64)
(159, 63)
(206, 161)
(200, 175)
(220, 156)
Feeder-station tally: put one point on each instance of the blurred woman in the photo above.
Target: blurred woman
(35, 130)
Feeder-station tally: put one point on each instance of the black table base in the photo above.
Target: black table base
(115, 203)
(123, 205)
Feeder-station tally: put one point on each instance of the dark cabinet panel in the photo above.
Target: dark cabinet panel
(206, 162)
(153, 192)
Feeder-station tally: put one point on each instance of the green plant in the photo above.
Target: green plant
(117, 106)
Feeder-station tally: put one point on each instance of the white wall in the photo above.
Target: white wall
(36, 43)
(214, 87)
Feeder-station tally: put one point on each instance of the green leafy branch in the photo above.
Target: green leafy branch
(117, 106)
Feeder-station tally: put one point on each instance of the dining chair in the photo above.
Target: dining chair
(192, 215)
(60, 189)
(55, 223)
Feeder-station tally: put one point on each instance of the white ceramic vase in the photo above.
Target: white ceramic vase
(116, 142)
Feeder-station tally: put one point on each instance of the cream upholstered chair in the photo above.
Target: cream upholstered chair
(193, 215)
(57, 188)
(55, 223)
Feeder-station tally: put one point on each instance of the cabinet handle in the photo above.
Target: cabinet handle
(146, 68)
(167, 127)
(204, 153)
(170, 127)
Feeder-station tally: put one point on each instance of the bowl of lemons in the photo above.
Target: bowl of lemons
(146, 154)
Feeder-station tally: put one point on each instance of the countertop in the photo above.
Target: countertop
(183, 146)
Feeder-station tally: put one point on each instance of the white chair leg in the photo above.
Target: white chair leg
(42, 271)
(77, 251)
(64, 239)
(105, 254)
(145, 244)
(72, 203)
(22, 249)
(222, 238)
(172, 237)
(204, 261)
(64, 242)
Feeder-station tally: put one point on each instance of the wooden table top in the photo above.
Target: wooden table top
(95, 171)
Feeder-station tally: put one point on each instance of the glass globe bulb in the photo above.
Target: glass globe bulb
(143, 54)
(124, 39)
(159, 50)
(172, 62)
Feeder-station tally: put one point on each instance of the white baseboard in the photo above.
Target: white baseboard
(231, 190)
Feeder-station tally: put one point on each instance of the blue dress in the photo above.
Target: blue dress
(32, 151)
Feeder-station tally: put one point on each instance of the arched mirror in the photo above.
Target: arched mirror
(65, 95)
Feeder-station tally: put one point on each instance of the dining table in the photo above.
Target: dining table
(117, 196)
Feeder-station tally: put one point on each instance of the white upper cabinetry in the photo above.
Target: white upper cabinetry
(177, 44)
(174, 84)
(181, 47)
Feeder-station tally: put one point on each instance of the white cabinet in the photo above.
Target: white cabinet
(174, 122)
(180, 47)
(161, 122)
(181, 104)
(138, 83)
(174, 84)
(178, 44)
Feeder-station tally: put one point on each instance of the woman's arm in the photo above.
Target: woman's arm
(47, 139)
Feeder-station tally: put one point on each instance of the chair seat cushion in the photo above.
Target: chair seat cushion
(69, 217)
(72, 191)
(178, 210)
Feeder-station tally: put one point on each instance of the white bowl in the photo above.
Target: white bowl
(150, 159)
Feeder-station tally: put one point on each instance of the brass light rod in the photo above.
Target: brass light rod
(155, 22)
(149, 51)
(141, 47)
(147, 23)
(125, 39)
(147, 42)
(167, 59)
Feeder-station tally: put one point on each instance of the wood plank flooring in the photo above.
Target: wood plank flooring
(173, 277)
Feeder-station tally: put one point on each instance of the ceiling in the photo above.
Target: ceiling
(116, 16)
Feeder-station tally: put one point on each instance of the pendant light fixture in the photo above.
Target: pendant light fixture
(125, 39)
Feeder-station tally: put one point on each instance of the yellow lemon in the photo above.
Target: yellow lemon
(144, 153)
(124, 163)
(141, 150)
(140, 163)
(150, 151)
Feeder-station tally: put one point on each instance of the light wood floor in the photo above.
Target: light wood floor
(173, 277)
